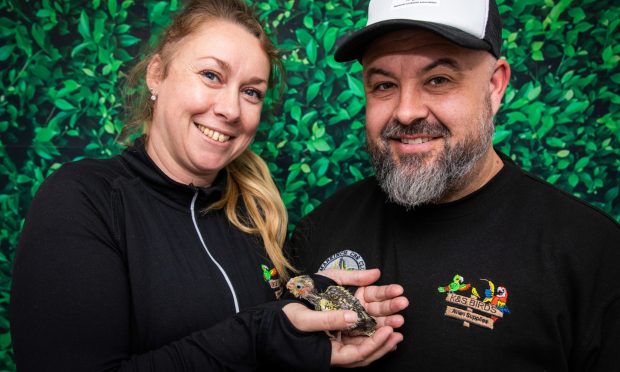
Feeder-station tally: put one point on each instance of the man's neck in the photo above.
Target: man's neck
(485, 169)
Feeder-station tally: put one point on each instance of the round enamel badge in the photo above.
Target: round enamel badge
(346, 260)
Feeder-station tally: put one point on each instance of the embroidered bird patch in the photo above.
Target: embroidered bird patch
(271, 276)
(333, 298)
(483, 312)
(456, 285)
(497, 298)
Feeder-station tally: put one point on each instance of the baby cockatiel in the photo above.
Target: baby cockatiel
(333, 298)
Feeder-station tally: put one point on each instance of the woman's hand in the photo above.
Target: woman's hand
(382, 302)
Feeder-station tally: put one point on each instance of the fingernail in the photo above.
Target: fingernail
(350, 317)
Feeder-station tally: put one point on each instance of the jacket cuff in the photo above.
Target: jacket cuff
(282, 347)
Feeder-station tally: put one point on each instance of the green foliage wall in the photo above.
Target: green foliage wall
(63, 62)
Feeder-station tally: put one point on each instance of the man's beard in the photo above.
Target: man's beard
(416, 180)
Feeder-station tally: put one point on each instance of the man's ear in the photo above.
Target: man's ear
(154, 73)
(498, 83)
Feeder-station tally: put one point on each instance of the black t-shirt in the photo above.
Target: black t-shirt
(517, 276)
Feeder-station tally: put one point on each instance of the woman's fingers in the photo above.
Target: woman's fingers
(308, 320)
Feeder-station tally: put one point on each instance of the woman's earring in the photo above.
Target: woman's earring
(153, 95)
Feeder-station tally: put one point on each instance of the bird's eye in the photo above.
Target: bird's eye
(299, 286)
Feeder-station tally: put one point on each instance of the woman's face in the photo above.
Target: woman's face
(208, 101)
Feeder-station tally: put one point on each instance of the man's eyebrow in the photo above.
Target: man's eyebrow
(378, 71)
(448, 62)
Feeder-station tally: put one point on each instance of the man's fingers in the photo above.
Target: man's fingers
(352, 277)
(308, 320)
(394, 321)
(382, 292)
(389, 307)
(389, 346)
(354, 353)
(344, 354)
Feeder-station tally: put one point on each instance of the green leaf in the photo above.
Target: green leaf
(323, 181)
(309, 22)
(312, 91)
(112, 7)
(45, 134)
(356, 86)
(534, 92)
(311, 50)
(22, 40)
(576, 106)
(296, 113)
(552, 179)
(6, 51)
(128, 40)
(330, 39)
(121, 29)
(38, 34)
(63, 104)
(537, 45)
(321, 145)
(573, 180)
(611, 194)
(501, 135)
(303, 36)
(581, 163)
(84, 26)
(608, 54)
(356, 173)
(98, 29)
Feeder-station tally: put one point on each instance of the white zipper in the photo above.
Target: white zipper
(204, 245)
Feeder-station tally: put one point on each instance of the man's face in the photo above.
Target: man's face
(428, 115)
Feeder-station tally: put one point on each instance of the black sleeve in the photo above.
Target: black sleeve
(300, 249)
(599, 347)
(71, 305)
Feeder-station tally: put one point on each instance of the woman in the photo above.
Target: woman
(159, 258)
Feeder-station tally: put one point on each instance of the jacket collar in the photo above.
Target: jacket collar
(140, 163)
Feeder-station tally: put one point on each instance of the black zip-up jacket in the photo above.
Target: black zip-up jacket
(117, 269)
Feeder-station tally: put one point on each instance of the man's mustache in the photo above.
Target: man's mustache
(398, 129)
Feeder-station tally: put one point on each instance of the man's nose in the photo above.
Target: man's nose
(411, 107)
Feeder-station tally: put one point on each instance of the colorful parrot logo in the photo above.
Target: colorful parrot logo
(456, 285)
(268, 273)
(498, 297)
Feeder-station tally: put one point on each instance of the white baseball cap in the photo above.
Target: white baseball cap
(471, 24)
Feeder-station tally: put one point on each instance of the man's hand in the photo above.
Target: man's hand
(382, 302)
(348, 351)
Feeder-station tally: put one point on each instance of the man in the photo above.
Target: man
(503, 271)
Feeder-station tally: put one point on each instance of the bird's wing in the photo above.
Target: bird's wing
(340, 297)
(474, 291)
(492, 287)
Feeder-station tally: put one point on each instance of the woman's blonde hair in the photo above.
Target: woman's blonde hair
(263, 212)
